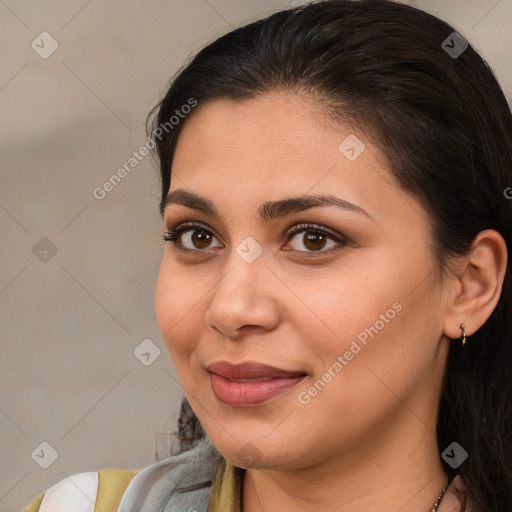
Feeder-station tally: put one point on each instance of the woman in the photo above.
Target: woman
(334, 290)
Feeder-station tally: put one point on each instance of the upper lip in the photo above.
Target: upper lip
(249, 370)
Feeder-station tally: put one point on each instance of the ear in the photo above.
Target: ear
(476, 284)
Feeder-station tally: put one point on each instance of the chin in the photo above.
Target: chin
(252, 451)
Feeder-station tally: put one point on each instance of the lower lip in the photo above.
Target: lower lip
(247, 394)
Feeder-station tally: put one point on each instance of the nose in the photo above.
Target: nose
(243, 300)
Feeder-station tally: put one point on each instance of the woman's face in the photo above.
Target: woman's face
(356, 315)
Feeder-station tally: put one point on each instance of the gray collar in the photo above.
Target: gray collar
(180, 483)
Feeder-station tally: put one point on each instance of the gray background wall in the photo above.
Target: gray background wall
(70, 321)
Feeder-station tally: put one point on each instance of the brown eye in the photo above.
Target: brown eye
(315, 238)
(191, 237)
(198, 238)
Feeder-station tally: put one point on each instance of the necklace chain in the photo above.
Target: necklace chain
(438, 501)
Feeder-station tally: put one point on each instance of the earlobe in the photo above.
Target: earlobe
(479, 284)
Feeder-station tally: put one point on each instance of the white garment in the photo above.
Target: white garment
(79, 490)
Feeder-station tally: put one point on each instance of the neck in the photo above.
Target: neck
(401, 471)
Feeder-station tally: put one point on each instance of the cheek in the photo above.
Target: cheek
(345, 305)
(365, 316)
(178, 310)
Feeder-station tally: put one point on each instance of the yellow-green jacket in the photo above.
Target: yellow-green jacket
(181, 483)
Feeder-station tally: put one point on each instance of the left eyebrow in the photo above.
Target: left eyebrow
(267, 211)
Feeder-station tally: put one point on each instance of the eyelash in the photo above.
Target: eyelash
(176, 231)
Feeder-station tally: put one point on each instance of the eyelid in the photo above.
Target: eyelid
(190, 224)
(304, 226)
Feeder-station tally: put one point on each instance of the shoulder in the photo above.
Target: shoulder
(183, 480)
(81, 492)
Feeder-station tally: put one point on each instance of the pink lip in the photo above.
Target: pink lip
(246, 394)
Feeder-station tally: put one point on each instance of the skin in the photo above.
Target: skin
(367, 440)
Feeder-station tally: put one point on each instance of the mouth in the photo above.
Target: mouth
(252, 380)
(250, 370)
(250, 384)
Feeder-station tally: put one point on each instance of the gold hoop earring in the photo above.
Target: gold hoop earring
(462, 328)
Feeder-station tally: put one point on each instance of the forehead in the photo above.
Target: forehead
(280, 145)
(273, 121)
(272, 136)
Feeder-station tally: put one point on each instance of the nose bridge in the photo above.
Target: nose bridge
(241, 296)
(246, 267)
